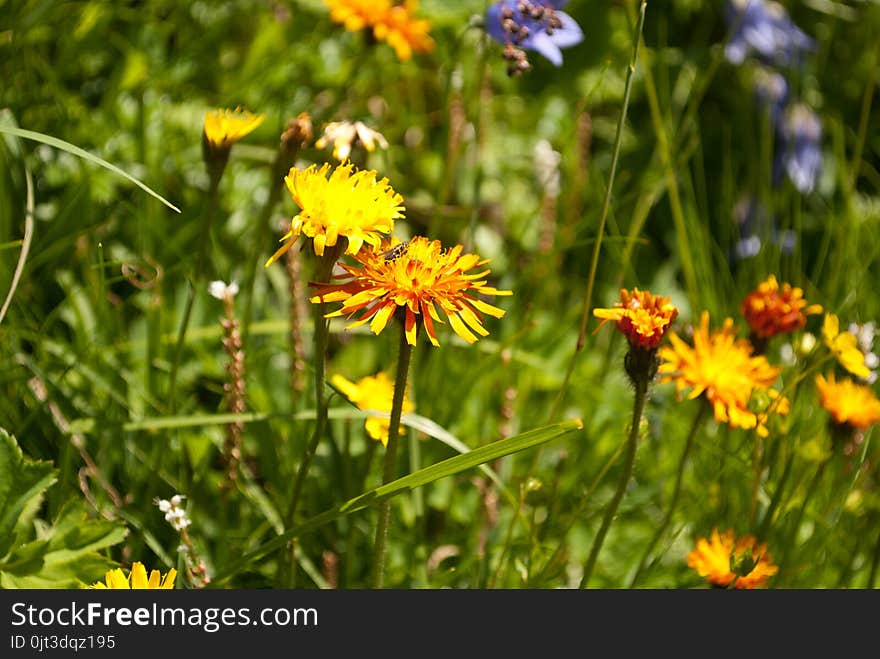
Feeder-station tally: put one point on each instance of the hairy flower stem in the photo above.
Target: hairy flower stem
(641, 394)
(296, 312)
(235, 393)
(389, 469)
(606, 206)
(676, 492)
(323, 270)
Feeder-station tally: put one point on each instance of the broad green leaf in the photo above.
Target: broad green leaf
(82, 153)
(66, 555)
(419, 478)
(22, 479)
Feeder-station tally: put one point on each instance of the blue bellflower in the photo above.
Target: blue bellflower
(755, 225)
(800, 154)
(771, 92)
(764, 28)
(537, 25)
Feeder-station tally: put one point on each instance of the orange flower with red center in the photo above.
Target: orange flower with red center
(642, 317)
(771, 309)
(419, 279)
(724, 560)
(848, 403)
(723, 367)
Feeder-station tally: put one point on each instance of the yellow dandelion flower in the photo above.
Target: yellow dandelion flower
(374, 392)
(350, 203)
(847, 402)
(643, 318)
(394, 24)
(724, 560)
(417, 278)
(223, 128)
(136, 579)
(723, 367)
(346, 134)
(770, 309)
(844, 346)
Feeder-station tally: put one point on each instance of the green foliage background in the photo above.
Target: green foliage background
(87, 346)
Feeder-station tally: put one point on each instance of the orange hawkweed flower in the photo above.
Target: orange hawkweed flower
(415, 278)
(848, 403)
(643, 318)
(136, 579)
(723, 367)
(394, 24)
(724, 560)
(770, 309)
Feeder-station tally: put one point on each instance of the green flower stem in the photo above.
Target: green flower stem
(508, 540)
(811, 488)
(641, 394)
(389, 469)
(606, 207)
(676, 491)
(323, 270)
(263, 231)
(211, 205)
(777, 497)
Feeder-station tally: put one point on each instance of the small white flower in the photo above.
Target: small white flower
(221, 290)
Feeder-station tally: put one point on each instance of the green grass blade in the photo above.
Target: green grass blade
(419, 478)
(82, 153)
(25, 244)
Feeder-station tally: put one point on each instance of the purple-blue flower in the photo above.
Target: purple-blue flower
(536, 25)
(763, 27)
(755, 225)
(771, 92)
(801, 146)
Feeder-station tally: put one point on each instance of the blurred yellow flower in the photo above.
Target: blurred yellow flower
(848, 402)
(136, 579)
(414, 278)
(770, 309)
(223, 128)
(722, 367)
(726, 560)
(394, 24)
(643, 318)
(351, 204)
(345, 134)
(373, 392)
(844, 346)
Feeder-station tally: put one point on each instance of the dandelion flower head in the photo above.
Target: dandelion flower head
(723, 368)
(136, 579)
(373, 392)
(420, 279)
(350, 203)
(223, 128)
(724, 559)
(642, 317)
(848, 402)
(772, 309)
(844, 346)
